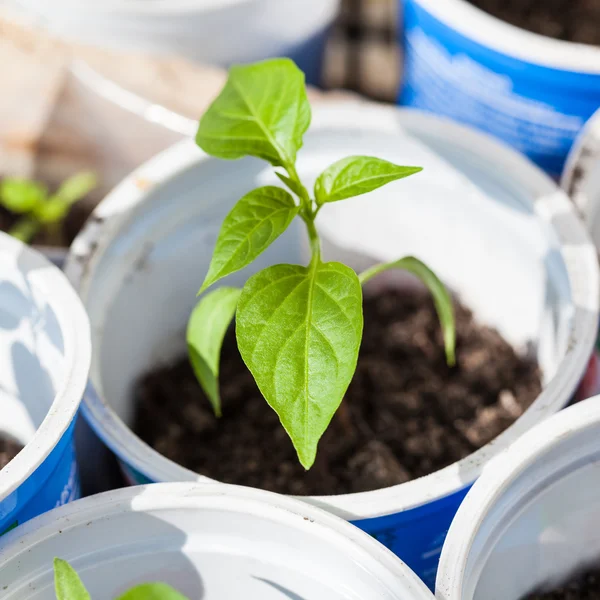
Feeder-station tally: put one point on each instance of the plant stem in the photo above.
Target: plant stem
(305, 197)
(313, 236)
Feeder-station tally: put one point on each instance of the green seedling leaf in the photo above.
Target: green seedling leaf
(441, 297)
(152, 591)
(299, 330)
(206, 329)
(253, 224)
(357, 175)
(20, 195)
(77, 187)
(53, 210)
(67, 584)
(262, 111)
(25, 229)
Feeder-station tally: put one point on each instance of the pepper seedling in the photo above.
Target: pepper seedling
(38, 209)
(298, 328)
(68, 586)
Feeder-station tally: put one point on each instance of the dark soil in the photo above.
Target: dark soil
(406, 413)
(8, 450)
(583, 587)
(66, 232)
(570, 20)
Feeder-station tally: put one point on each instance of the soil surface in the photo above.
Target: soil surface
(583, 587)
(405, 414)
(66, 232)
(8, 450)
(570, 20)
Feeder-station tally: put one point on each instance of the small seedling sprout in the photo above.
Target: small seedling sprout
(298, 328)
(37, 208)
(68, 586)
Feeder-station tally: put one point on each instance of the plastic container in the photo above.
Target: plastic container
(531, 91)
(531, 520)
(214, 542)
(138, 263)
(45, 355)
(219, 32)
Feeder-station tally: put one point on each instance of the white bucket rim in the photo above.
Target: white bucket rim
(583, 157)
(95, 238)
(489, 31)
(494, 482)
(194, 495)
(143, 8)
(75, 328)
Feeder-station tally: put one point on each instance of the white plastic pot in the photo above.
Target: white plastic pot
(498, 231)
(45, 355)
(532, 91)
(219, 32)
(531, 520)
(214, 542)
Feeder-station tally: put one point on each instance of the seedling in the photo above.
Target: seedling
(298, 328)
(38, 209)
(68, 586)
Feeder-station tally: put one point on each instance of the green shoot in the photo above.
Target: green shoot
(68, 586)
(37, 208)
(298, 328)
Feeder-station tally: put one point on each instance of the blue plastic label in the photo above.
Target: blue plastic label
(54, 483)
(537, 110)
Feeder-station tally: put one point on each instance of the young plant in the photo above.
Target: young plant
(298, 328)
(37, 208)
(68, 586)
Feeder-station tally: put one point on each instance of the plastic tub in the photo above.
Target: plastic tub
(214, 542)
(45, 358)
(531, 520)
(531, 91)
(219, 32)
(146, 249)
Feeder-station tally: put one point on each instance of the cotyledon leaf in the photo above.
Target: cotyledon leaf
(299, 331)
(67, 584)
(253, 224)
(152, 591)
(206, 329)
(262, 111)
(441, 297)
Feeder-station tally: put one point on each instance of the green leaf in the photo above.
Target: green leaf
(25, 229)
(205, 332)
(441, 297)
(357, 175)
(21, 195)
(53, 210)
(77, 187)
(67, 584)
(152, 591)
(253, 224)
(298, 331)
(262, 111)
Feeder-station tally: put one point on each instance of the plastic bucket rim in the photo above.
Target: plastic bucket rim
(498, 35)
(362, 505)
(143, 8)
(198, 496)
(75, 327)
(587, 140)
(525, 453)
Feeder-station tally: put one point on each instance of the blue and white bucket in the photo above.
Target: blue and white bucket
(45, 355)
(208, 541)
(497, 229)
(531, 521)
(531, 91)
